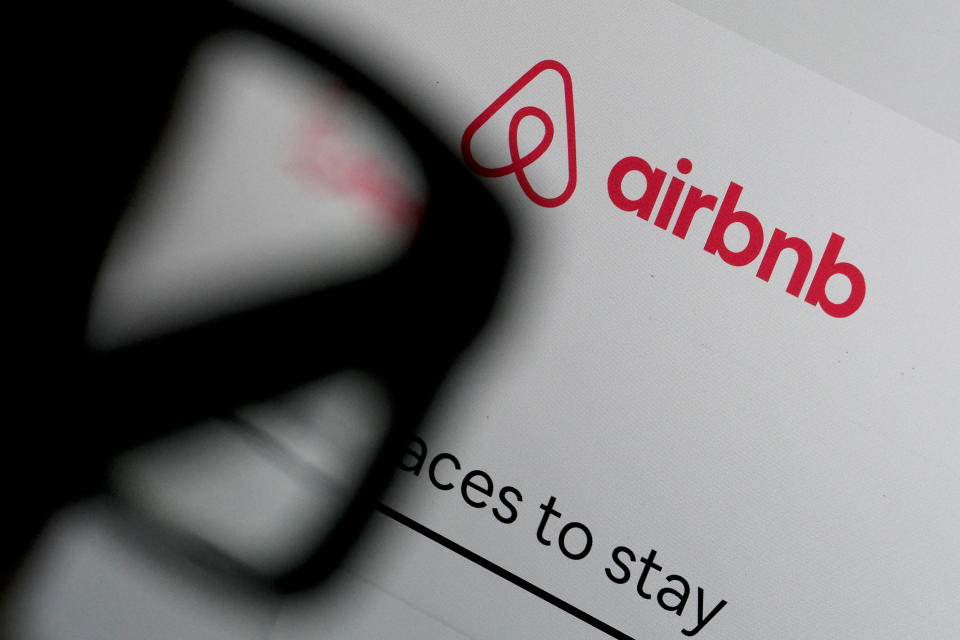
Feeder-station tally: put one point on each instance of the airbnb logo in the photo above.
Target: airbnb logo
(726, 216)
(690, 200)
(518, 163)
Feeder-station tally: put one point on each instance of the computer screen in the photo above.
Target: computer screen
(717, 397)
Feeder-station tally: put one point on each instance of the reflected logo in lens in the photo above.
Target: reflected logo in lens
(518, 163)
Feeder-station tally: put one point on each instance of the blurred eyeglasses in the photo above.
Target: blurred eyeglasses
(296, 265)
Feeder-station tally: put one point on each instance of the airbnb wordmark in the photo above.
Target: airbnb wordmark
(694, 202)
(728, 215)
(519, 163)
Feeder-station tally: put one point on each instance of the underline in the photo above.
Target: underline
(509, 576)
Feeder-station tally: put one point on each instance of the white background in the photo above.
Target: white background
(799, 466)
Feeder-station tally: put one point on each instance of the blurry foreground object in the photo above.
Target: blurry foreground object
(266, 267)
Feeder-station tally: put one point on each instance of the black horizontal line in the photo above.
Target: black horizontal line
(563, 605)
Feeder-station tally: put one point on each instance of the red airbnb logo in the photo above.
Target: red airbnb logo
(518, 163)
(678, 203)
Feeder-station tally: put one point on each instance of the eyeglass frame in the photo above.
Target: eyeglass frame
(404, 325)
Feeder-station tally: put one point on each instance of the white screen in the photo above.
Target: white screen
(668, 444)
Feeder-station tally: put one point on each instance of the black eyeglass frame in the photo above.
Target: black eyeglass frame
(404, 325)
